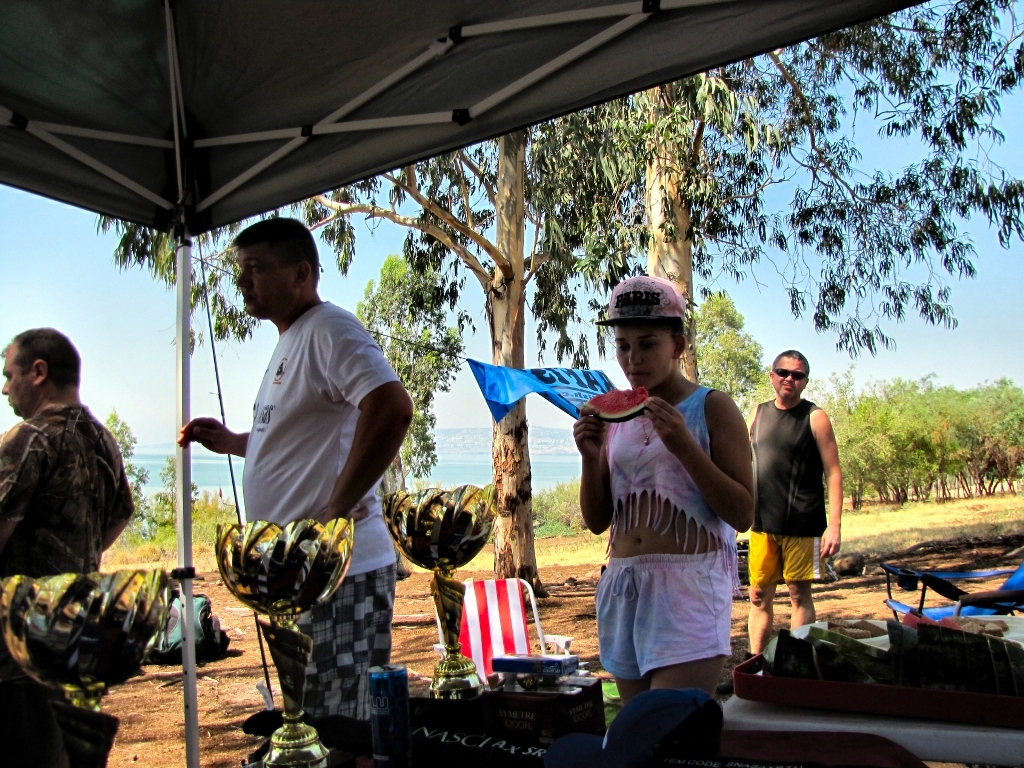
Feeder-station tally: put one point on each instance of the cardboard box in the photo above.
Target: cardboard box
(541, 717)
(535, 664)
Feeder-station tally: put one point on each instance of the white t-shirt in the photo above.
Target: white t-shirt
(303, 423)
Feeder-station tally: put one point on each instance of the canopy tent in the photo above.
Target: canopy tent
(277, 101)
(193, 114)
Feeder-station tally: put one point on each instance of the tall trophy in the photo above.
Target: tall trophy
(81, 634)
(283, 572)
(441, 531)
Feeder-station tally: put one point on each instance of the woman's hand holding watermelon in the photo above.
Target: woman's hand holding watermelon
(670, 426)
(588, 432)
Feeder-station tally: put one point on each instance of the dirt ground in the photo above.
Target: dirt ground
(150, 705)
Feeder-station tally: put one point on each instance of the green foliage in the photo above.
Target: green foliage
(451, 232)
(412, 331)
(728, 358)
(137, 476)
(908, 440)
(213, 270)
(208, 511)
(165, 501)
(763, 392)
(556, 511)
(758, 161)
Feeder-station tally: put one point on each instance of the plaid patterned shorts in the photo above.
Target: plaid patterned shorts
(351, 633)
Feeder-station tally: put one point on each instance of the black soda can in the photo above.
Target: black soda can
(389, 716)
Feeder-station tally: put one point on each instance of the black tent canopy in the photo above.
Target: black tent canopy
(276, 101)
(196, 113)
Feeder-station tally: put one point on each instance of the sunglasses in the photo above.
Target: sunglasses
(785, 373)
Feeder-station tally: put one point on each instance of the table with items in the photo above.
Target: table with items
(949, 691)
(511, 726)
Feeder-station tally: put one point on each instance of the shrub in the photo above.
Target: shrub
(556, 511)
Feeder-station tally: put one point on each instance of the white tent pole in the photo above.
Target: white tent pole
(434, 50)
(183, 489)
(185, 571)
(90, 133)
(348, 126)
(31, 127)
(173, 82)
(574, 17)
(558, 63)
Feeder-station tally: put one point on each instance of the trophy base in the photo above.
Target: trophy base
(455, 677)
(296, 745)
(88, 735)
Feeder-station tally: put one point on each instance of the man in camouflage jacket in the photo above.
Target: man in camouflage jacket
(64, 498)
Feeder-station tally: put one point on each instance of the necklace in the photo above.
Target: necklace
(647, 435)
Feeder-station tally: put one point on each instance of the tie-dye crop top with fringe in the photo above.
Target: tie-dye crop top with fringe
(651, 487)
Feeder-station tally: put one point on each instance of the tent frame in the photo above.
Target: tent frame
(185, 572)
(630, 15)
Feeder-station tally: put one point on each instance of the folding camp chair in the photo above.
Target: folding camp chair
(494, 623)
(1007, 599)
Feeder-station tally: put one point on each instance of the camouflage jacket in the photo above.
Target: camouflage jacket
(63, 480)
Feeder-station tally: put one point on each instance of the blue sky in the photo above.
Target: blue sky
(55, 270)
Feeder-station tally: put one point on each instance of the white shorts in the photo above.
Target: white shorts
(657, 610)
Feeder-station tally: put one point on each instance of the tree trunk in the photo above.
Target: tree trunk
(670, 251)
(514, 555)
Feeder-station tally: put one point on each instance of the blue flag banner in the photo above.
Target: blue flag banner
(565, 388)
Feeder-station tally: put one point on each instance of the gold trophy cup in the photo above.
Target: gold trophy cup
(81, 634)
(283, 572)
(441, 531)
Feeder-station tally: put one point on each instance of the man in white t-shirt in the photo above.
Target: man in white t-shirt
(328, 421)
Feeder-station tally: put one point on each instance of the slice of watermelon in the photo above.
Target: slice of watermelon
(619, 404)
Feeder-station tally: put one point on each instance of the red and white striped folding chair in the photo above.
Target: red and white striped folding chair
(494, 623)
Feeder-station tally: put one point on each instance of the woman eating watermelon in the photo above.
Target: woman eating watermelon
(666, 466)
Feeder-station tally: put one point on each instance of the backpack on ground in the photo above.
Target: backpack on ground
(211, 643)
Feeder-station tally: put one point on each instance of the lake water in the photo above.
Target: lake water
(210, 472)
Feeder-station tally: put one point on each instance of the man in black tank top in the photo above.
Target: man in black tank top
(794, 447)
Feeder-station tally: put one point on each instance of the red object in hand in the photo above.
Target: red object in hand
(619, 404)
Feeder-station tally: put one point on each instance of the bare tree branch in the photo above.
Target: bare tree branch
(464, 188)
(377, 212)
(478, 172)
(698, 137)
(448, 218)
(811, 133)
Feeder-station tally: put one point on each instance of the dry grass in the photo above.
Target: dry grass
(876, 529)
(149, 555)
(880, 529)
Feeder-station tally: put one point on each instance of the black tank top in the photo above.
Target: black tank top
(790, 493)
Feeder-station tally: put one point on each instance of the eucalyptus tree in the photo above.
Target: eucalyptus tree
(728, 357)
(758, 162)
(137, 475)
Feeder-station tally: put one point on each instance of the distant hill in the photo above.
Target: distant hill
(544, 441)
(476, 440)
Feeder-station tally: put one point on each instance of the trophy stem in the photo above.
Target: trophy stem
(455, 676)
(88, 699)
(294, 744)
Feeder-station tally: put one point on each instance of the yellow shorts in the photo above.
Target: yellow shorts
(774, 558)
